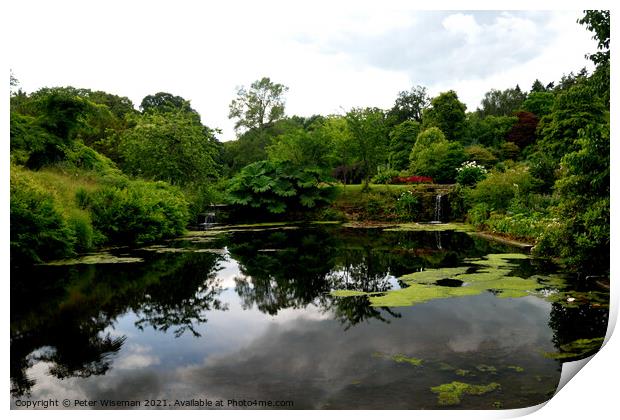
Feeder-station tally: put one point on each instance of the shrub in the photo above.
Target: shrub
(470, 173)
(414, 179)
(498, 189)
(385, 175)
(277, 187)
(407, 206)
(38, 229)
(141, 212)
(481, 154)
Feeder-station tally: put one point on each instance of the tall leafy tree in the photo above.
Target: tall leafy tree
(369, 139)
(258, 106)
(448, 114)
(170, 147)
(433, 155)
(501, 102)
(402, 139)
(409, 105)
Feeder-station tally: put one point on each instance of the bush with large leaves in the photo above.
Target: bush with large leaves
(278, 187)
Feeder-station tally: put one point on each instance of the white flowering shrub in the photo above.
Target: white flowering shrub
(470, 173)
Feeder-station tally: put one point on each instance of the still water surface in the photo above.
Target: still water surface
(247, 314)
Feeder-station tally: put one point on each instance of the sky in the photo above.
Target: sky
(331, 56)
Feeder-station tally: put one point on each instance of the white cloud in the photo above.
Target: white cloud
(330, 59)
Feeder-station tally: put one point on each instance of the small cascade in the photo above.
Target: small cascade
(438, 203)
(209, 220)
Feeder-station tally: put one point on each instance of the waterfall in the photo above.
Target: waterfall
(209, 220)
(437, 208)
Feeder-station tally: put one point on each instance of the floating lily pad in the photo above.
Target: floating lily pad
(516, 368)
(431, 276)
(100, 258)
(451, 394)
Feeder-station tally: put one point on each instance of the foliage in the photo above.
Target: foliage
(170, 147)
(490, 131)
(38, 229)
(138, 212)
(163, 102)
(582, 236)
(436, 157)
(501, 102)
(573, 109)
(414, 179)
(470, 173)
(278, 187)
(523, 132)
(369, 138)
(259, 106)
(303, 148)
(448, 114)
(402, 139)
(480, 154)
(539, 103)
(407, 206)
(498, 189)
(409, 106)
(384, 175)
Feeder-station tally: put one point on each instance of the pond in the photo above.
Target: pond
(302, 316)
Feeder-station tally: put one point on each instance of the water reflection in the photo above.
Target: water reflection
(257, 321)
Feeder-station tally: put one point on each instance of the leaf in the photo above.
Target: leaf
(307, 201)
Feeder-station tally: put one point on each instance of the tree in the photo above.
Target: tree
(369, 139)
(433, 155)
(490, 131)
(164, 102)
(448, 114)
(523, 132)
(307, 149)
(597, 21)
(409, 105)
(538, 103)
(537, 86)
(501, 102)
(259, 106)
(170, 147)
(582, 235)
(573, 109)
(402, 139)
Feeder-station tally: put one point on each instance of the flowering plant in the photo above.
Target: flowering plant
(470, 173)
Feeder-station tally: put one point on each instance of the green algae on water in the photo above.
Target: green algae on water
(487, 368)
(491, 274)
(463, 372)
(347, 293)
(419, 293)
(399, 358)
(429, 227)
(577, 349)
(515, 368)
(451, 394)
(433, 275)
(100, 258)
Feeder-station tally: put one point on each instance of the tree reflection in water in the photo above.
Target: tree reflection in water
(59, 315)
